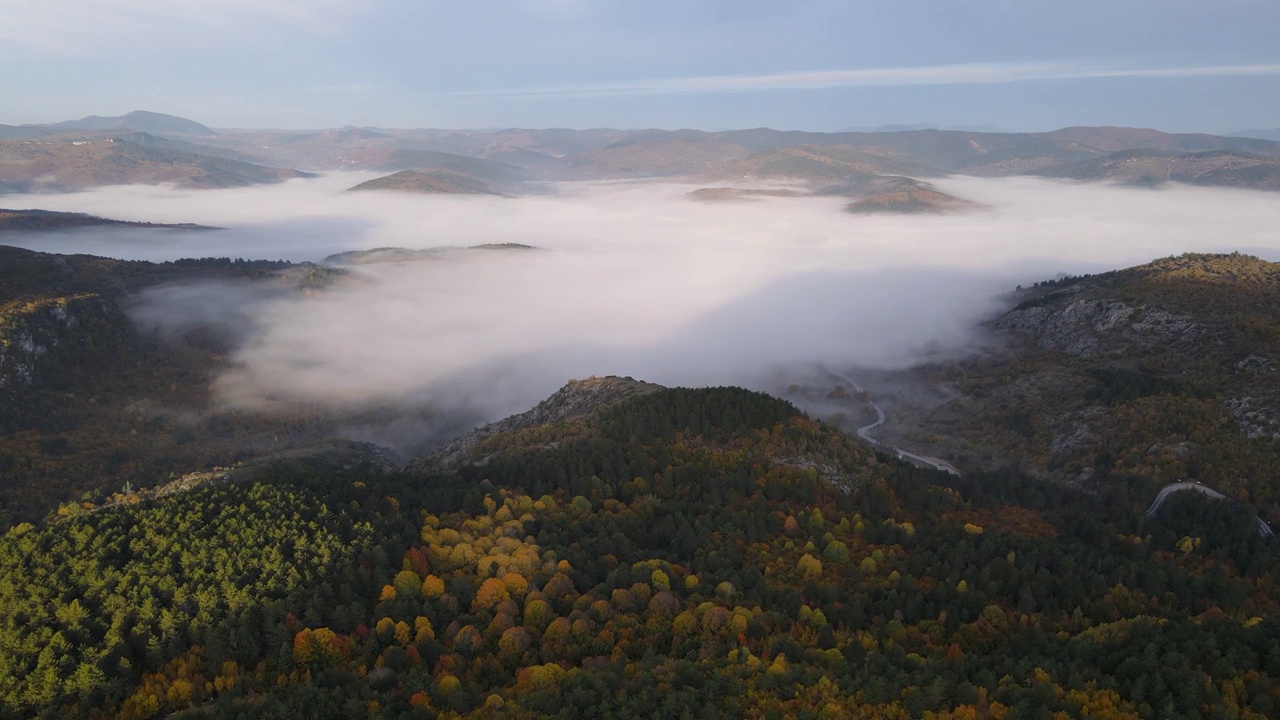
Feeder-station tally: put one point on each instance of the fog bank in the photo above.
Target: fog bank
(630, 278)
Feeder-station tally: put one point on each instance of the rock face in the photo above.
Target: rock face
(1089, 328)
(576, 399)
(43, 339)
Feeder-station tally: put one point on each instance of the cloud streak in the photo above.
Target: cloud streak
(84, 27)
(959, 74)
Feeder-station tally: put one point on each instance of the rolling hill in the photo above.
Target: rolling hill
(433, 181)
(558, 154)
(42, 220)
(819, 164)
(1220, 168)
(1138, 377)
(651, 153)
(375, 256)
(905, 196)
(47, 165)
(409, 159)
(600, 154)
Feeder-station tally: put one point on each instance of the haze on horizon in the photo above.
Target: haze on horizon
(1178, 65)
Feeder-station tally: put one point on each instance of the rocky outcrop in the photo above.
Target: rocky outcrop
(41, 339)
(576, 399)
(1089, 328)
(1257, 415)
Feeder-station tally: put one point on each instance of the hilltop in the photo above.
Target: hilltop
(434, 181)
(901, 195)
(577, 399)
(438, 172)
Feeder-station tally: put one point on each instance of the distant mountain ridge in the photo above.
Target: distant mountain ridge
(488, 161)
(138, 120)
(1272, 134)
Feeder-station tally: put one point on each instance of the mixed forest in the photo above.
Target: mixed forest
(655, 552)
(683, 553)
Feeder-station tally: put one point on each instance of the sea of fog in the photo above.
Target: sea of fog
(631, 278)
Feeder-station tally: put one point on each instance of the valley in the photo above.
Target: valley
(845, 440)
(568, 360)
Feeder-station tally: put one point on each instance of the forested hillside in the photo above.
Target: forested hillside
(1158, 373)
(680, 553)
(90, 401)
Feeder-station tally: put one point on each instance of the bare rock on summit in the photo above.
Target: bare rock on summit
(578, 398)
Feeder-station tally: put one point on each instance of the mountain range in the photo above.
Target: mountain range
(62, 156)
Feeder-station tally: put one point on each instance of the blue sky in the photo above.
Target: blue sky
(1181, 65)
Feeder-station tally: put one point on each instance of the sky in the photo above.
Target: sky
(1177, 65)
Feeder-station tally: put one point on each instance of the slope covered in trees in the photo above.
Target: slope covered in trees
(679, 553)
(90, 401)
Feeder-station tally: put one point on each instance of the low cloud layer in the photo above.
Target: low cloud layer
(630, 278)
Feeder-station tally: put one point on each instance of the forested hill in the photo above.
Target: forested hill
(677, 553)
(88, 400)
(1153, 374)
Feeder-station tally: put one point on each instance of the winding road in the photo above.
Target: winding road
(1263, 528)
(864, 432)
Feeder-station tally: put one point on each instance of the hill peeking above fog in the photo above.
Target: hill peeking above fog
(28, 220)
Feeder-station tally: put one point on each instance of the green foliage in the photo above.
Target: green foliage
(675, 554)
(92, 602)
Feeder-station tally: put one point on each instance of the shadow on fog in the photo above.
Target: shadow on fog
(295, 239)
(887, 319)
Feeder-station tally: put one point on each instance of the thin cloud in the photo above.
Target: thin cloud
(963, 74)
(83, 27)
